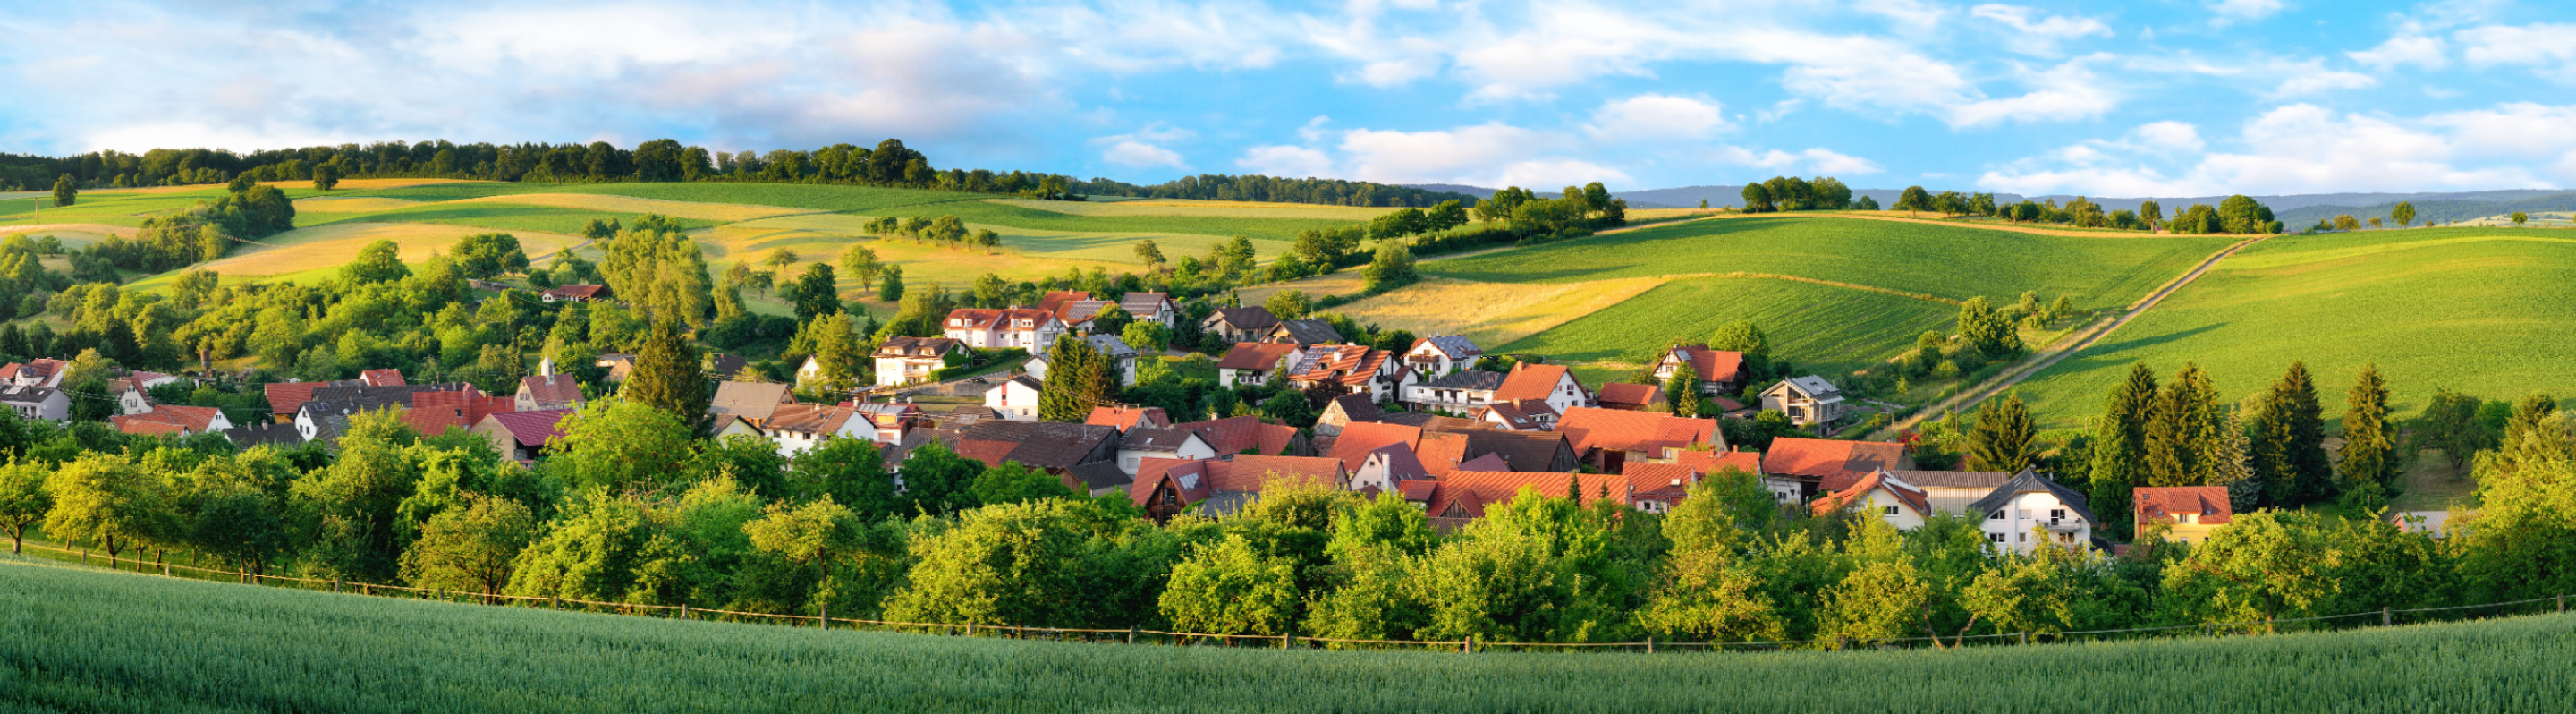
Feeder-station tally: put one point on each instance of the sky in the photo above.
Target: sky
(2154, 97)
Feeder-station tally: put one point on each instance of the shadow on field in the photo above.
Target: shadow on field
(2108, 350)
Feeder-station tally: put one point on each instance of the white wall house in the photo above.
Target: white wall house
(1024, 328)
(37, 402)
(1147, 442)
(1016, 398)
(1808, 400)
(1461, 391)
(903, 360)
(1881, 495)
(1438, 356)
(2023, 512)
(1109, 347)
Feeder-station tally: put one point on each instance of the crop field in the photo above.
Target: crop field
(493, 216)
(1009, 214)
(1944, 261)
(820, 238)
(329, 246)
(350, 204)
(1822, 328)
(623, 205)
(2478, 310)
(810, 197)
(85, 640)
(1490, 313)
(1201, 209)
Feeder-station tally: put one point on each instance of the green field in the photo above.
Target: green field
(2484, 311)
(82, 640)
(811, 197)
(1823, 328)
(1949, 262)
(497, 216)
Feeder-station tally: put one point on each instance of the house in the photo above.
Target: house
(1110, 348)
(1345, 410)
(1024, 328)
(1436, 356)
(1240, 324)
(1054, 447)
(47, 373)
(1951, 491)
(1015, 398)
(381, 378)
(1164, 442)
(1461, 391)
(32, 402)
(1550, 382)
(1632, 397)
(522, 436)
(264, 433)
(2029, 504)
(1821, 466)
(130, 398)
(1464, 495)
(1250, 435)
(1353, 369)
(1522, 451)
(1881, 495)
(581, 293)
(1252, 362)
(907, 360)
(1720, 371)
(287, 398)
(1383, 469)
(1524, 415)
(437, 412)
(1056, 301)
(750, 400)
(1125, 418)
(1657, 488)
(618, 366)
(1076, 315)
(1156, 308)
(1303, 332)
(553, 391)
(797, 428)
(2190, 513)
(1808, 400)
(1165, 487)
(1357, 440)
(1609, 438)
(172, 420)
(2433, 523)
(891, 420)
(321, 417)
(718, 365)
(1712, 461)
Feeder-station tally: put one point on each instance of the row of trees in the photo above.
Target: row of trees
(2268, 450)
(1790, 193)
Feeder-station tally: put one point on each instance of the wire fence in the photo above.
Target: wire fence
(1138, 635)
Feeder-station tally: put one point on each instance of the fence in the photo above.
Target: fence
(1136, 635)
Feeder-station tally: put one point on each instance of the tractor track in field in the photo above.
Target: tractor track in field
(2071, 345)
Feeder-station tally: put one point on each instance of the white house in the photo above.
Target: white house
(1461, 391)
(1720, 372)
(1252, 362)
(1024, 328)
(1386, 468)
(798, 427)
(1016, 398)
(47, 373)
(2032, 504)
(1156, 308)
(1109, 347)
(37, 402)
(906, 360)
(1438, 356)
(1240, 324)
(1882, 495)
(1549, 382)
(173, 420)
(1146, 442)
(1356, 369)
(1808, 400)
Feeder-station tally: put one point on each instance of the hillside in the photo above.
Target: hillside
(93, 641)
(2477, 310)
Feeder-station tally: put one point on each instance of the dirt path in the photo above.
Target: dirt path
(2070, 345)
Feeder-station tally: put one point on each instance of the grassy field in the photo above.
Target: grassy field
(494, 216)
(798, 196)
(2481, 311)
(1492, 314)
(1200, 209)
(1822, 328)
(80, 640)
(304, 254)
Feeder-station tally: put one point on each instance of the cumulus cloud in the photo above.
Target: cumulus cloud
(2229, 10)
(2036, 35)
(1818, 161)
(1286, 162)
(1489, 154)
(2304, 148)
(2312, 77)
(2405, 48)
(2067, 91)
(1657, 117)
(1144, 148)
(2550, 49)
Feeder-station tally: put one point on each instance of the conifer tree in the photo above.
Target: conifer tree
(1682, 390)
(2120, 440)
(2003, 435)
(2289, 442)
(2184, 426)
(668, 375)
(2369, 440)
(2227, 465)
(1072, 381)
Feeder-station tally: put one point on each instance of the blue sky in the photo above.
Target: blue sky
(2172, 97)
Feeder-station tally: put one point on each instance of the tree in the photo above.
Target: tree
(780, 258)
(892, 288)
(833, 341)
(1014, 482)
(2289, 442)
(1149, 254)
(2182, 426)
(2369, 438)
(1288, 304)
(326, 176)
(2403, 213)
(23, 499)
(2229, 464)
(818, 292)
(848, 471)
(1230, 587)
(241, 525)
(379, 262)
(1077, 379)
(2263, 566)
(1391, 268)
(1994, 336)
(861, 262)
(1682, 390)
(1742, 336)
(937, 481)
(2002, 441)
(2120, 439)
(108, 500)
(2519, 217)
(2152, 212)
(2450, 423)
(1757, 198)
(1006, 564)
(668, 375)
(1914, 198)
(474, 548)
(66, 190)
(623, 446)
(1883, 596)
(807, 536)
(484, 255)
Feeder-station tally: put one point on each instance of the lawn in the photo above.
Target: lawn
(2478, 310)
(77, 639)
(1953, 262)
(1821, 328)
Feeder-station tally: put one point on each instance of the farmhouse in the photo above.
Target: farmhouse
(1883, 496)
(1808, 400)
(1607, 439)
(1156, 308)
(750, 400)
(47, 373)
(1549, 382)
(172, 420)
(1304, 332)
(2032, 503)
(522, 436)
(552, 391)
(1812, 467)
(1015, 398)
(1250, 363)
(1437, 356)
(1720, 371)
(906, 360)
(1239, 324)
(2189, 513)
(1024, 328)
(1354, 369)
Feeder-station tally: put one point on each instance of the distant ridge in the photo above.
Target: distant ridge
(2292, 208)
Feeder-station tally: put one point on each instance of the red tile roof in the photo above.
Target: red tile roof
(1128, 417)
(1247, 473)
(167, 419)
(1358, 439)
(436, 412)
(1667, 482)
(1859, 490)
(1189, 478)
(1468, 493)
(2162, 503)
(1634, 431)
(1440, 452)
(287, 397)
(551, 389)
(1709, 462)
(1713, 365)
(992, 453)
(1346, 364)
(1836, 464)
(1058, 301)
(1630, 394)
(1256, 356)
(382, 377)
(531, 428)
(1533, 381)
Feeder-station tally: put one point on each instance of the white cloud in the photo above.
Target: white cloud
(1286, 162)
(2303, 148)
(2312, 77)
(1915, 14)
(2168, 135)
(1818, 161)
(2069, 91)
(1138, 154)
(2244, 9)
(2549, 48)
(1542, 174)
(2039, 36)
(1657, 117)
(2405, 48)
(1437, 156)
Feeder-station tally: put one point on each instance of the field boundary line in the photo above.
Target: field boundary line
(2070, 345)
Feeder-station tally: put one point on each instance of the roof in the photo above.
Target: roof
(28, 395)
(817, 419)
(1634, 431)
(1534, 381)
(1082, 310)
(1709, 462)
(1352, 447)
(1829, 459)
(1099, 475)
(1257, 356)
(1156, 438)
(2029, 481)
(1522, 450)
(1632, 394)
(1985, 480)
(1110, 346)
(1234, 435)
(1469, 492)
(551, 388)
(1346, 364)
(725, 365)
(577, 292)
(356, 398)
(983, 319)
(1247, 473)
(749, 399)
(1143, 304)
(436, 412)
(1441, 452)
(917, 347)
(167, 419)
(1487, 462)
(1356, 407)
(288, 397)
(1712, 365)
(382, 377)
(967, 414)
(1472, 380)
(1524, 415)
(1055, 301)
(1125, 417)
(1401, 463)
(1455, 346)
(264, 433)
(2164, 502)
(1308, 331)
(1189, 478)
(1043, 444)
(1859, 491)
(1247, 318)
(1814, 386)
(1665, 482)
(531, 428)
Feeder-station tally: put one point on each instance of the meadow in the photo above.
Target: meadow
(1822, 328)
(76, 639)
(2482, 311)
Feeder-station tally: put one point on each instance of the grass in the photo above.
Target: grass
(822, 237)
(494, 216)
(75, 639)
(299, 254)
(1201, 209)
(2478, 310)
(1491, 314)
(1125, 229)
(1822, 328)
(799, 196)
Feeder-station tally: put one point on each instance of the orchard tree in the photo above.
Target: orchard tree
(2404, 213)
(66, 191)
(623, 446)
(23, 499)
(1232, 588)
(818, 292)
(861, 262)
(474, 548)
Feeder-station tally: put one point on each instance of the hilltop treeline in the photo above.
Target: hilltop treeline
(890, 163)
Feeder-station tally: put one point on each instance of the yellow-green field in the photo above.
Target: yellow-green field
(326, 248)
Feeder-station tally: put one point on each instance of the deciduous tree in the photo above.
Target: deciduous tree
(474, 548)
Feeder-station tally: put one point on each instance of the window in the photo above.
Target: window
(1996, 537)
(1888, 510)
(2056, 514)
(1995, 516)
(2021, 537)
(2190, 519)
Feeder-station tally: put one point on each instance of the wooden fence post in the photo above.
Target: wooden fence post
(1131, 634)
(970, 628)
(684, 611)
(2025, 637)
(2383, 616)
(1650, 644)
(335, 583)
(824, 618)
(2562, 602)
